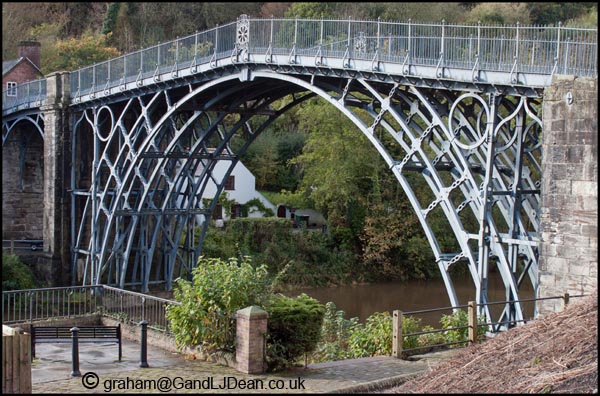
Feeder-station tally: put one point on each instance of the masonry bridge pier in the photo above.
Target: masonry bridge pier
(500, 123)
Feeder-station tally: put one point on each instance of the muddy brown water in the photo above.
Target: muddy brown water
(363, 300)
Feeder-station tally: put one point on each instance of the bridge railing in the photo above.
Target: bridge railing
(515, 49)
(25, 95)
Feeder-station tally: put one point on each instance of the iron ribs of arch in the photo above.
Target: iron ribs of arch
(479, 159)
(469, 159)
(34, 118)
(154, 159)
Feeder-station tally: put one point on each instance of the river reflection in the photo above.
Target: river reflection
(363, 300)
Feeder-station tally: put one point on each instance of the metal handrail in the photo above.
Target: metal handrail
(67, 302)
(545, 50)
(477, 325)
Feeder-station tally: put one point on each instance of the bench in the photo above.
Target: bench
(62, 334)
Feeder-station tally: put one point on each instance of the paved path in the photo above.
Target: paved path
(170, 372)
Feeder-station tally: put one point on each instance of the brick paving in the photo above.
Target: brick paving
(170, 372)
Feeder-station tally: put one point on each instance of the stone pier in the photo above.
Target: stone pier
(569, 209)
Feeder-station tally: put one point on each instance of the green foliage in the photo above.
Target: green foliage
(294, 328)
(348, 339)
(312, 10)
(77, 52)
(374, 338)
(219, 288)
(110, 21)
(430, 338)
(500, 13)
(459, 318)
(410, 324)
(16, 275)
(335, 333)
(300, 258)
(550, 13)
(256, 204)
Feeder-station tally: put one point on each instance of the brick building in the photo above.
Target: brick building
(25, 68)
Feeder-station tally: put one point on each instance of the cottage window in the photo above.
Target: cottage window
(218, 213)
(230, 183)
(236, 211)
(11, 88)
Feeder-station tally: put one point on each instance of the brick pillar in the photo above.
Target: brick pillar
(569, 191)
(251, 328)
(56, 157)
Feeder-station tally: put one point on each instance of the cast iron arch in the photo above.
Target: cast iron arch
(419, 122)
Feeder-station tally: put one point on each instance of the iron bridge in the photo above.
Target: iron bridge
(458, 107)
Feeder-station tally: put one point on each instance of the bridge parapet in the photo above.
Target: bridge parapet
(517, 56)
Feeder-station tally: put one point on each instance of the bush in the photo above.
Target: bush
(294, 329)
(16, 275)
(208, 304)
(458, 318)
(335, 333)
(430, 339)
(301, 258)
(372, 339)
(410, 324)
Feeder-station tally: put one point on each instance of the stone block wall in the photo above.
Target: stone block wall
(569, 191)
(23, 184)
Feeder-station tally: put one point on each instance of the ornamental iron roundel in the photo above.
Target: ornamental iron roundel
(243, 32)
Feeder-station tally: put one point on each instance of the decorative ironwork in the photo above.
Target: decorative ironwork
(360, 43)
(242, 37)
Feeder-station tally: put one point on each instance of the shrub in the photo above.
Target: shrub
(430, 339)
(374, 338)
(219, 288)
(294, 329)
(459, 318)
(335, 333)
(16, 275)
(410, 324)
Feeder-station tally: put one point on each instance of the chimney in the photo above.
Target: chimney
(30, 49)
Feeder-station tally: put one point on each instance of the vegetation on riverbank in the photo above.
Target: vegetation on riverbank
(343, 338)
(308, 258)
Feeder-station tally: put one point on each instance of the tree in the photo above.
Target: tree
(337, 160)
(83, 51)
(500, 14)
(549, 13)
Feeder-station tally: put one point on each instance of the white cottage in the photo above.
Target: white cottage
(240, 187)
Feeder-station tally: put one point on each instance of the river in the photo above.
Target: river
(363, 300)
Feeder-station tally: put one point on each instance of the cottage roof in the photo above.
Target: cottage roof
(10, 64)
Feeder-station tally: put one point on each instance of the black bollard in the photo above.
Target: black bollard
(75, 352)
(144, 353)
